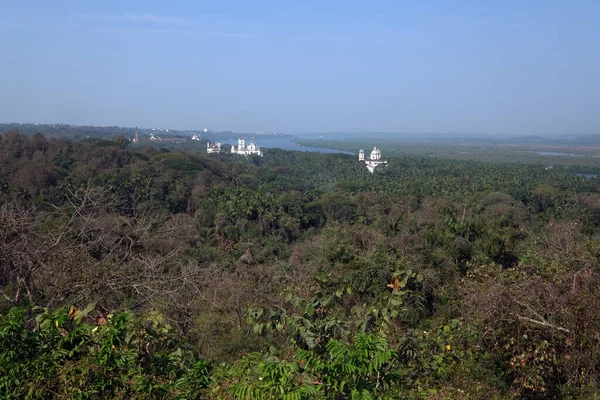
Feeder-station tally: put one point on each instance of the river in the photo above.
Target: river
(284, 144)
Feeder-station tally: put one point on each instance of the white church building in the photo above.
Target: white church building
(213, 147)
(373, 161)
(244, 150)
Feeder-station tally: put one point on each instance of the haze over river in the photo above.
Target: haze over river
(284, 144)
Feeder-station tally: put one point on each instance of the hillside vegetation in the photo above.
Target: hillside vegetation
(131, 272)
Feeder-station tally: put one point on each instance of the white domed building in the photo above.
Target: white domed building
(373, 161)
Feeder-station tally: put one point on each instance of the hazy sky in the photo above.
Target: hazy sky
(511, 66)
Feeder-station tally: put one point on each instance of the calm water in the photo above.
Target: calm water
(589, 176)
(558, 153)
(561, 154)
(285, 144)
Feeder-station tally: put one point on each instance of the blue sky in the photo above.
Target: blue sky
(523, 67)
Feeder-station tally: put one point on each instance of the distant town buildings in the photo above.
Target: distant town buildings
(213, 147)
(195, 137)
(373, 161)
(244, 150)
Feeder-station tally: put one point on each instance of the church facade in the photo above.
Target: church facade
(213, 147)
(373, 161)
(244, 150)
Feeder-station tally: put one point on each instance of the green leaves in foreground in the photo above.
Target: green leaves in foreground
(55, 355)
(363, 370)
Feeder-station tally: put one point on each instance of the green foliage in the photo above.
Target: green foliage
(359, 371)
(402, 303)
(363, 370)
(47, 355)
(309, 323)
(298, 275)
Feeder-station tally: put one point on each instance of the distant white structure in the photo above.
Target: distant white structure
(213, 148)
(244, 150)
(153, 137)
(373, 161)
(195, 137)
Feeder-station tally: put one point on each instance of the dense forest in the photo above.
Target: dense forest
(66, 131)
(136, 272)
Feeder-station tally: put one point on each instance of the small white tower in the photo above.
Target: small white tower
(241, 144)
(361, 155)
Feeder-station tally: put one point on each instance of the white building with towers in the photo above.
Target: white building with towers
(373, 161)
(244, 150)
